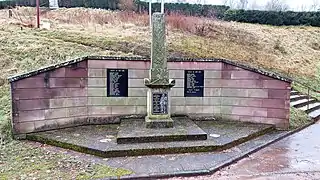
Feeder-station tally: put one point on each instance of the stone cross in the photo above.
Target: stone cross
(159, 84)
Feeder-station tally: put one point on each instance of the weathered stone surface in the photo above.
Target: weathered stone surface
(159, 73)
(138, 74)
(93, 139)
(177, 74)
(99, 110)
(23, 127)
(135, 131)
(68, 102)
(212, 74)
(97, 72)
(136, 83)
(97, 91)
(211, 101)
(208, 92)
(55, 113)
(34, 115)
(137, 92)
(122, 110)
(97, 82)
(32, 104)
(194, 101)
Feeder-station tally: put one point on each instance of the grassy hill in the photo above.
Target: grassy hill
(293, 51)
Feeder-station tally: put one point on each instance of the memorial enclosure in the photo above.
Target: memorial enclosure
(102, 90)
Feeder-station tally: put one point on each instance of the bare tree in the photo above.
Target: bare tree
(200, 1)
(315, 5)
(242, 4)
(127, 5)
(231, 3)
(276, 5)
(253, 5)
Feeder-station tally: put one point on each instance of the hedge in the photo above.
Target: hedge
(7, 4)
(43, 3)
(185, 8)
(276, 18)
(103, 4)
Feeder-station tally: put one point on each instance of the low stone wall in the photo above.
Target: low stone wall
(52, 99)
(78, 94)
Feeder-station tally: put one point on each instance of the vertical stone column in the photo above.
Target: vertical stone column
(159, 84)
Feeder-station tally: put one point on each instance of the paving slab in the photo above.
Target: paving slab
(100, 140)
(135, 131)
(169, 165)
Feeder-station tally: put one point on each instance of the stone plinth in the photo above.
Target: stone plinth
(135, 131)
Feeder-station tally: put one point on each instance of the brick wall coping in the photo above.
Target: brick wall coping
(134, 58)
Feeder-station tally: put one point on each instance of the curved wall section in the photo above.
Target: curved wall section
(78, 94)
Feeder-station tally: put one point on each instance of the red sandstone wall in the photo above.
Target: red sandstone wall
(78, 95)
(249, 96)
(58, 102)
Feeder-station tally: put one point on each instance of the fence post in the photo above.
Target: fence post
(308, 97)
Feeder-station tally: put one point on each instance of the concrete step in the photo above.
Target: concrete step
(302, 102)
(312, 107)
(295, 93)
(298, 97)
(315, 114)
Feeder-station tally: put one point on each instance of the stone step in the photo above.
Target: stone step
(315, 114)
(302, 102)
(135, 131)
(311, 107)
(298, 97)
(294, 93)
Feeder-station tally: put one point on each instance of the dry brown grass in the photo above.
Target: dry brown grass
(290, 50)
(293, 50)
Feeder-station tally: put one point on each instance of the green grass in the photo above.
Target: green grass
(313, 83)
(298, 118)
(20, 160)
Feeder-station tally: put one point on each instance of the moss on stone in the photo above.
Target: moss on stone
(102, 171)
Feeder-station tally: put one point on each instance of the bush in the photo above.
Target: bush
(276, 18)
(32, 3)
(7, 4)
(185, 9)
(103, 4)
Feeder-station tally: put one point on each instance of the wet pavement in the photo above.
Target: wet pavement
(295, 157)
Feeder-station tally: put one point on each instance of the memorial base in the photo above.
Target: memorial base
(158, 108)
(158, 123)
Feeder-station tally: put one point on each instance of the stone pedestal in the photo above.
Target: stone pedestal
(158, 104)
(158, 108)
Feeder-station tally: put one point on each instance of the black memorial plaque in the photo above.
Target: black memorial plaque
(193, 83)
(159, 103)
(117, 82)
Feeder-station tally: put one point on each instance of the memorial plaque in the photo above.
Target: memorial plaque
(117, 82)
(193, 83)
(159, 103)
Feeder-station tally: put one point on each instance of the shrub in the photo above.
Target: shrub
(7, 4)
(276, 18)
(185, 9)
